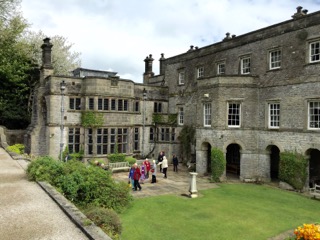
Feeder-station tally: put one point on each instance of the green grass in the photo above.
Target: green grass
(232, 211)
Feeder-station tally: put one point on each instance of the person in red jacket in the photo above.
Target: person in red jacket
(148, 167)
(136, 178)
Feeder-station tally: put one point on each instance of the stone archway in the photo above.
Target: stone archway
(209, 169)
(274, 161)
(314, 166)
(204, 155)
(233, 159)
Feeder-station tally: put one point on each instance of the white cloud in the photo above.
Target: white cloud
(119, 34)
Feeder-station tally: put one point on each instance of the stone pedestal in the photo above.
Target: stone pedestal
(193, 185)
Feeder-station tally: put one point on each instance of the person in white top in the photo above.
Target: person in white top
(164, 164)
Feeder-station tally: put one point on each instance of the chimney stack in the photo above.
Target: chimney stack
(46, 53)
(162, 69)
(300, 13)
(148, 69)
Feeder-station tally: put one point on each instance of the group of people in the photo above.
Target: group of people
(138, 174)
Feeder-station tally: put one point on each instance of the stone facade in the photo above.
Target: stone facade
(280, 73)
(253, 96)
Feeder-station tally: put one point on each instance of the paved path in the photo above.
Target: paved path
(177, 183)
(26, 211)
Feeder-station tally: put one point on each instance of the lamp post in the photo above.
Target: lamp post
(62, 88)
(144, 119)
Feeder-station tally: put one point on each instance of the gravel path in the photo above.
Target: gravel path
(26, 211)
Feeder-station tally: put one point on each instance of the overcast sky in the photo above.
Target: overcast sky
(117, 35)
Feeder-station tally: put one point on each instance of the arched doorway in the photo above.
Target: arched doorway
(274, 162)
(209, 170)
(314, 167)
(233, 159)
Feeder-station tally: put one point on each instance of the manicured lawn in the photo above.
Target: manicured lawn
(232, 211)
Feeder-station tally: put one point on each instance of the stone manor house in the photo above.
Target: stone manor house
(252, 96)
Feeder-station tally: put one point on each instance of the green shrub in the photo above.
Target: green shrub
(130, 160)
(293, 169)
(106, 219)
(45, 169)
(80, 183)
(77, 156)
(117, 157)
(218, 164)
(16, 148)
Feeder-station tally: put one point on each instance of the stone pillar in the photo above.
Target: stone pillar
(193, 185)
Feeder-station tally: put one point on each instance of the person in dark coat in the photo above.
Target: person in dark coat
(175, 163)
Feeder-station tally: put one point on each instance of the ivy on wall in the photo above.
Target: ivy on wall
(186, 138)
(293, 169)
(218, 164)
(161, 118)
(157, 118)
(172, 118)
(91, 119)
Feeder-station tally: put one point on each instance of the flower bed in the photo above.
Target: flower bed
(308, 231)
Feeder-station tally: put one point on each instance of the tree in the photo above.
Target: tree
(15, 73)
(8, 8)
(63, 59)
(20, 59)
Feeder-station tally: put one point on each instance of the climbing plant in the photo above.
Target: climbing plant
(157, 118)
(187, 139)
(218, 164)
(91, 119)
(293, 169)
(172, 118)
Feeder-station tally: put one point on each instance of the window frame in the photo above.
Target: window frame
(207, 114)
(219, 68)
(275, 61)
(274, 112)
(152, 134)
(235, 116)
(157, 107)
(181, 77)
(136, 106)
(136, 139)
(180, 116)
(316, 50)
(316, 121)
(91, 103)
(74, 140)
(75, 103)
(102, 136)
(103, 104)
(200, 72)
(245, 68)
